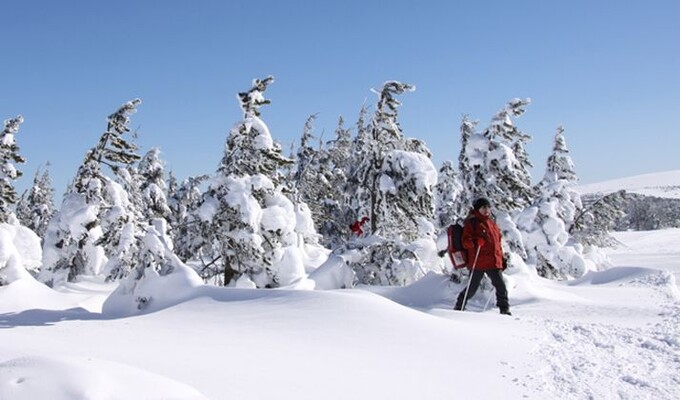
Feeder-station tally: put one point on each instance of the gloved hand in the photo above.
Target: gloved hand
(442, 253)
(480, 242)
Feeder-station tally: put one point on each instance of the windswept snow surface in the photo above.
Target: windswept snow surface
(611, 334)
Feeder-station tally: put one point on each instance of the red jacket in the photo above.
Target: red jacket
(491, 253)
(356, 226)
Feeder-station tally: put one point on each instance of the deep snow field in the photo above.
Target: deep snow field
(612, 334)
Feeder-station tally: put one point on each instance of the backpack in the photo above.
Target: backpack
(455, 249)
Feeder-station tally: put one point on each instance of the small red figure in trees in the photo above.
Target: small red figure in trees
(356, 226)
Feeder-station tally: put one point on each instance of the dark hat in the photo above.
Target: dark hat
(481, 202)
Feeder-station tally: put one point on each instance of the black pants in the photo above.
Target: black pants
(496, 276)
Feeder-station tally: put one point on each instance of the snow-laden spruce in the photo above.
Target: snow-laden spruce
(94, 212)
(9, 156)
(597, 218)
(391, 183)
(146, 203)
(492, 169)
(36, 205)
(183, 200)
(151, 170)
(158, 276)
(329, 205)
(545, 224)
(449, 208)
(252, 234)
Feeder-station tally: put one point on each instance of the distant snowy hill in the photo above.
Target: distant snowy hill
(660, 184)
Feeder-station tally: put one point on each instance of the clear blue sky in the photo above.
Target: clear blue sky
(609, 71)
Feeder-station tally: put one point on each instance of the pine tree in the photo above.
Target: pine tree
(546, 222)
(94, 210)
(185, 227)
(560, 180)
(334, 218)
(508, 177)
(448, 207)
(250, 149)
(155, 260)
(356, 189)
(122, 218)
(494, 165)
(593, 223)
(152, 187)
(391, 183)
(36, 207)
(123, 224)
(9, 156)
(311, 182)
(248, 225)
(307, 158)
(468, 171)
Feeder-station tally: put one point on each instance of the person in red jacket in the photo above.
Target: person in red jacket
(357, 226)
(482, 240)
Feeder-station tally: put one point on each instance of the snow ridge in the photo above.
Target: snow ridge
(660, 184)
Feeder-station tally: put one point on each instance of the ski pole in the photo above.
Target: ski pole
(472, 271)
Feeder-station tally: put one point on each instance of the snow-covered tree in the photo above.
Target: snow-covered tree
(9, 156)
(560, 180)
(309, 181)
(250, 149)
(157, 269)
(319, 181)
(334, 218)
(36, 206)
(93, 210)
(185, 227)
(391, 183)
(545, 224)
(153, 190)
(644, 213)
(469, 172)
(494, 165)
(448, 207)
(306, 160)
(252, 232)
(355, 185)
(123, 224)
(507, 162)
(597, 218)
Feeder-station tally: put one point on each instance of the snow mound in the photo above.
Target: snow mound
(27, 294)
(332, 274)
(30, 378)
(633, 276)
(19, 251)
(154, 292)
(613, 275)
(431, 291)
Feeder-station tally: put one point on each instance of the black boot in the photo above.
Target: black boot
(505, 311)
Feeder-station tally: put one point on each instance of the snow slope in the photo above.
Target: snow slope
(660, 184)
(611, 334)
